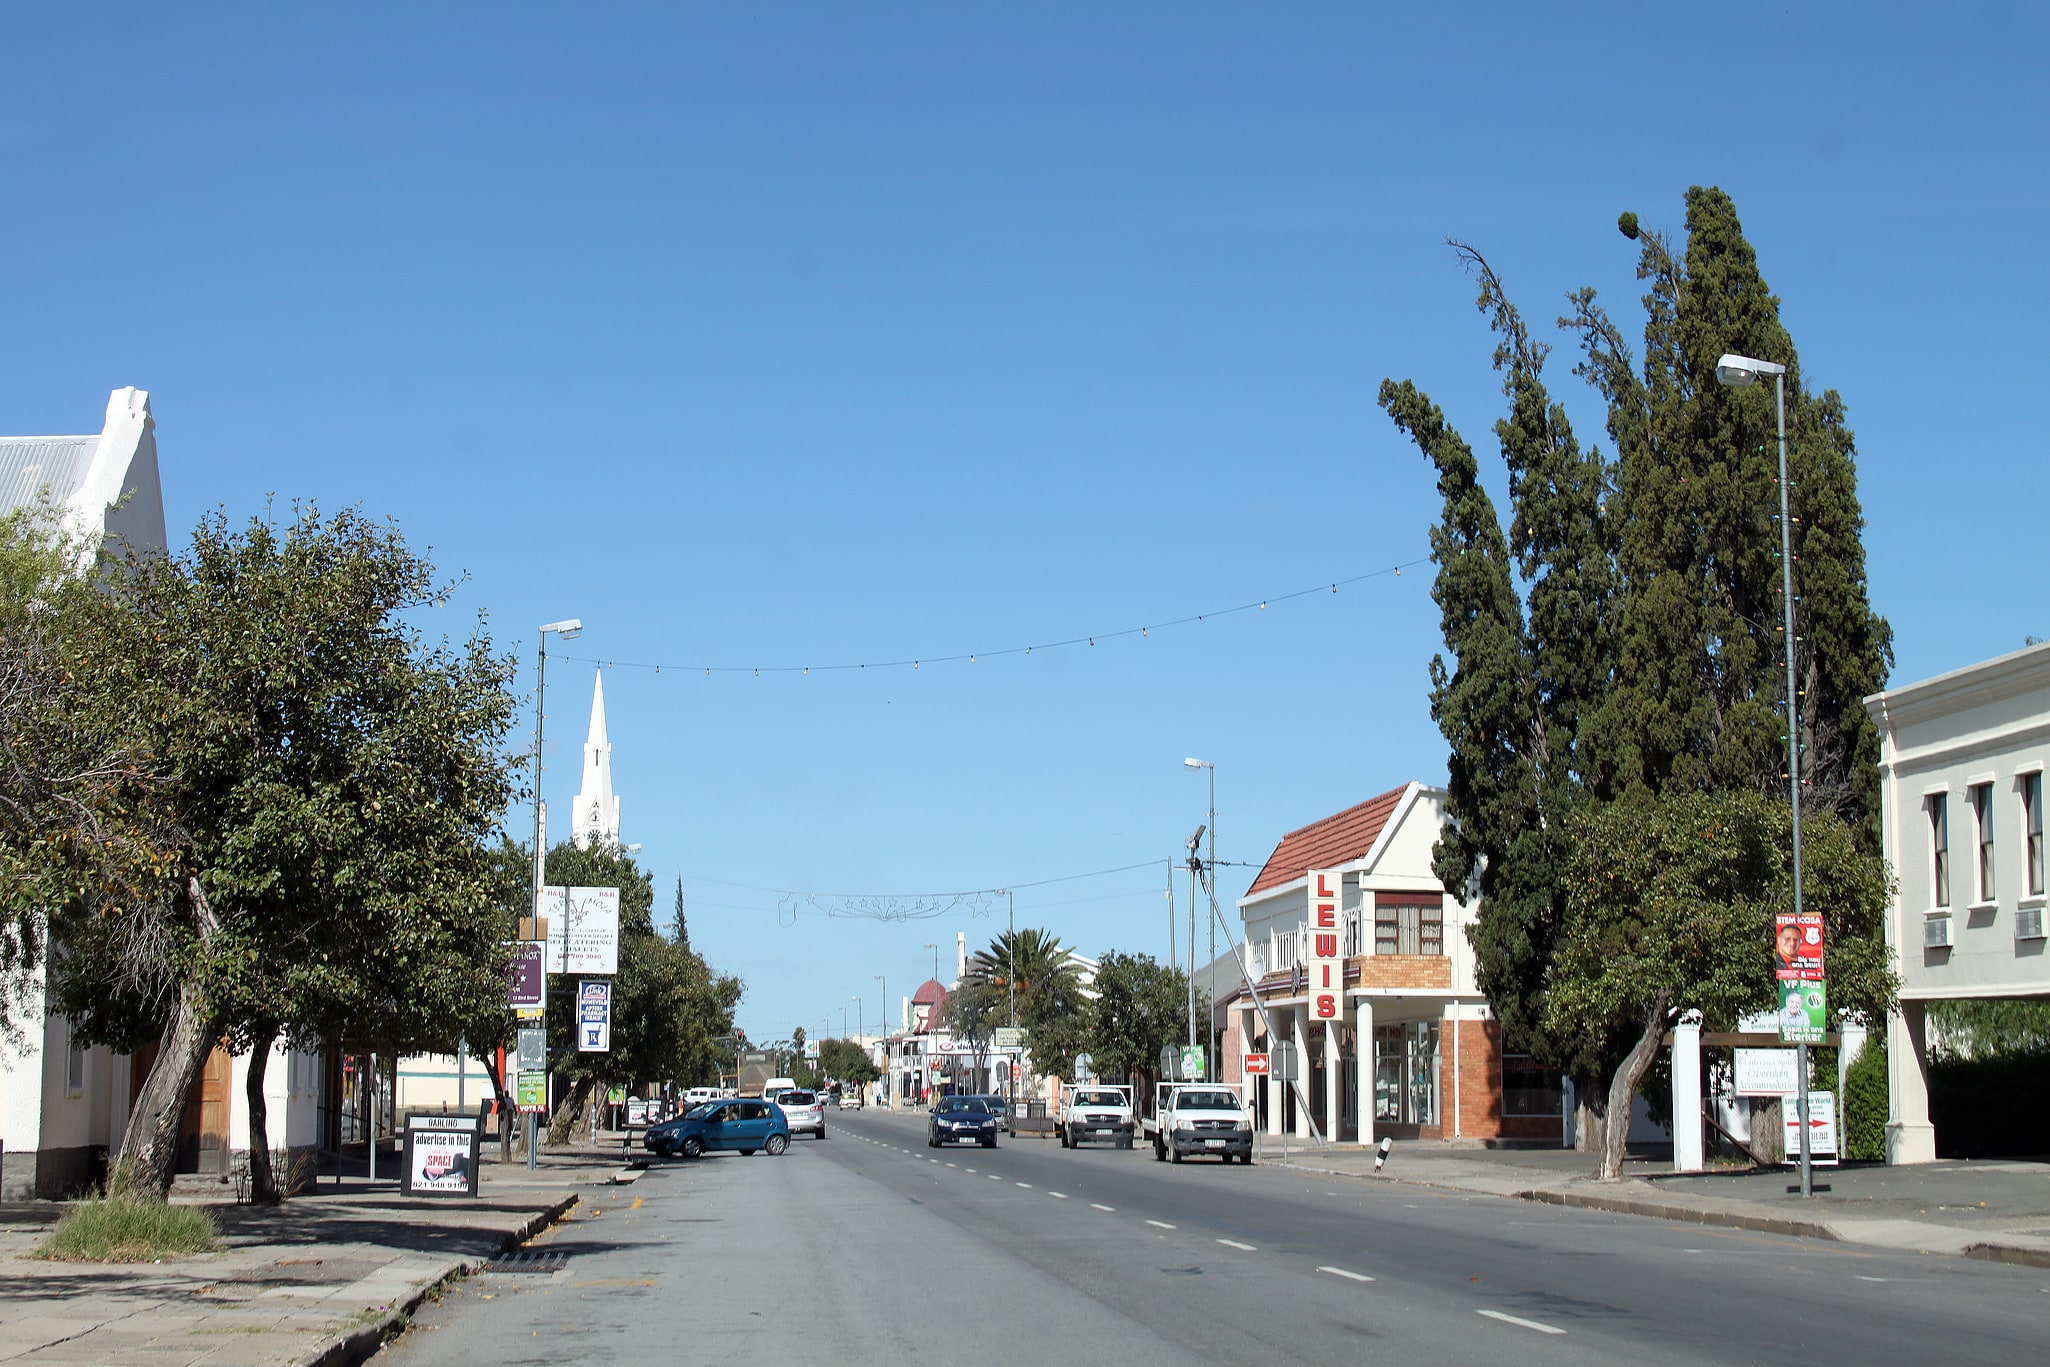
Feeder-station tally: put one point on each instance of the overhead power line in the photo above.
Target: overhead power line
(1086, 639)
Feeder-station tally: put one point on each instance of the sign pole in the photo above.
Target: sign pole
(1801, 1069)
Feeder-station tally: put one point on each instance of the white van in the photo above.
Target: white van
(776, 1086)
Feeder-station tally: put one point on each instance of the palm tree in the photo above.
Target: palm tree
(1037, 965)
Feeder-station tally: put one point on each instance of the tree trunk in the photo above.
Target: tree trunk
(263, 1179)
(1589, 1117)
(565, 1117)
(505, 1110)
(1616, 1129)
(149, 1150)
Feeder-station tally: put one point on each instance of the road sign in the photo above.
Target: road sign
(1256, 1063)
(1009, 1036)
(1284, 1060)
(594, 1016)
(1821, 1128)
(1085, 1068)
(532, 1055)
(1017, 1071)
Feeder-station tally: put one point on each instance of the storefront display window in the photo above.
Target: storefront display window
(1406, 1073)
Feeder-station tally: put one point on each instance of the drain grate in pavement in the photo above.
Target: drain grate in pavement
(528, 1260)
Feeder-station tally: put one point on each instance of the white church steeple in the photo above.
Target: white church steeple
(595, 817)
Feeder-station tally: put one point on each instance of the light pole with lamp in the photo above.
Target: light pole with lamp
(1741, 372)
(931, 1024)
(1209, 1069)
(1011, 952)
(883, 991)
(569, 628)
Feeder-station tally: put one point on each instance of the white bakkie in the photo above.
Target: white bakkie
(1094, 1111)
(1199, 1118)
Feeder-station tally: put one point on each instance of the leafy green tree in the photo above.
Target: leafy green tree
(847, 1062)
(1141, 1006)
(1049, 1001)
(1634, 644)
(334, 783)
(669, 1009)
(1670, 903)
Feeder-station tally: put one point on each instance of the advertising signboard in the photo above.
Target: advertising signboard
(528, 991)
(583, 929)
(636, 1110)
(441, 1155)
(1327, 969)
(1821, 1128)
(1804, 1012)
(1766, 1072)
(594, 1016)
(530, 1092)
(1191, 1061)
(1009, 1036)
(1797, 946)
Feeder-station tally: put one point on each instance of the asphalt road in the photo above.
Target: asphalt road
(870, 1248)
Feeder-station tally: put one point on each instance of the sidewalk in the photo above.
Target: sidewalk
(1994, 1209)
(321, 1279)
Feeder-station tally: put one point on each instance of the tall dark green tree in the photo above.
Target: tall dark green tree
(1648, 662)
(1141, 1006)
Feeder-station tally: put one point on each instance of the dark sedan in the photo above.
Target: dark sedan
(956, 1119)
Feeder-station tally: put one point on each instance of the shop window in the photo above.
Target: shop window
(1406, 1073)
(1529, 1088)
(1409, 923)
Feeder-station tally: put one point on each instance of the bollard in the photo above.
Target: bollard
(1382, 1151)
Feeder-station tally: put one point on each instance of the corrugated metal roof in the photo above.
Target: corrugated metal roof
(1328, 843)
(28, 464)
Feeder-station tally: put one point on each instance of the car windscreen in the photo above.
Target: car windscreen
(958, 1105)
(1206, 1101)
(1098, 1099)
(698, 1112)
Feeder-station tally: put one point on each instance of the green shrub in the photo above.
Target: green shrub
(124, 1230)
(1865, 1102)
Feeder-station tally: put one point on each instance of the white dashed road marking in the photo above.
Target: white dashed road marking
(1026, 1185)
(1523, 1323)
(1234, 1243)
(1162, 1224)
(1349, 1276)
(1094, 1206)
(1058, 1195)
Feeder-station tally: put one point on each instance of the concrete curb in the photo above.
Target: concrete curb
(360, 1344)
(2010, 1253)
(1728, 1219)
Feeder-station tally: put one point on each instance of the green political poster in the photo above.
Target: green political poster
(1804, 1012)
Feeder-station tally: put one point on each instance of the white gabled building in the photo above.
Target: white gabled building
(1961, 765)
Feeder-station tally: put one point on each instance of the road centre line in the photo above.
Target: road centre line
(1094, 1206)
(1527, 1324)
(995, 1177)
(1349, 1276)
(1234, 1243)
(1058, 1195)
(1160, 1223)
(1026, 1185)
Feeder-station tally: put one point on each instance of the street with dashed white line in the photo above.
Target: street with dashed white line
(871, 1247)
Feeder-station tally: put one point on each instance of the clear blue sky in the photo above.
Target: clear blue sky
(808, 335)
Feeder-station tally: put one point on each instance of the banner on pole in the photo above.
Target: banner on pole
(594, 1017)
(1326, 966)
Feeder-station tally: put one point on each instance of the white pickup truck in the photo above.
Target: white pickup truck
(1093, 1111)
(1199, 1118)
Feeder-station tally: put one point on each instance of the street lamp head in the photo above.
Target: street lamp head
(1741, 372)
(1194, 763)
(1195, 838)
(569, 628)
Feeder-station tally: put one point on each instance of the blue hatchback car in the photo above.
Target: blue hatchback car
(739, 1123)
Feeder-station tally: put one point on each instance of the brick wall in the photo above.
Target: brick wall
(1417, 971)
(1479, 1044)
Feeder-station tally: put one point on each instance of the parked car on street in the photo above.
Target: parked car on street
(958, 1118)
(804, 1112)
(740, 1124)
(998, 1107)
(850, 1100)
(698, 1096)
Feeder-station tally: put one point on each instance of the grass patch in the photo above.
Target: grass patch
(123, 1230)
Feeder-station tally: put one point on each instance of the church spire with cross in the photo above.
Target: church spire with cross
(594, 819)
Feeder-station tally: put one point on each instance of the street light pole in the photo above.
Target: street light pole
(568, 629)
(1740, 372)
(883, 991)
(1209, 1064)
(1011, 952)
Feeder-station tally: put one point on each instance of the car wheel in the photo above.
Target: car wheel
(777, 1143)
(1159, 1152)
(1246, 1160)
(1064, 1138)
(990, 1142)
(693, 1147)
(1174, 1155)
(822, 1131)
(1125, 1143)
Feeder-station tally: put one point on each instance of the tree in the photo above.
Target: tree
(334, 782)
(1048, 993)
(1141, 1007)
(1632, 648)
(845, 1061)
(669, 1008)
(1670, 903)
(83, 829)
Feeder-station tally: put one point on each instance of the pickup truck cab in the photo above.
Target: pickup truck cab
(1093, 1111)
(1199, 1118)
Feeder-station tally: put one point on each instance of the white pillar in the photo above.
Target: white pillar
(1849, 1047)
(1910, 1138)
(1302, 1084)
(1687, 1146)
(1334, 1072)
(1364, 1027)
(1271, 1085)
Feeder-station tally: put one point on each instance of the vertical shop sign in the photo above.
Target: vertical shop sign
(1327, 968)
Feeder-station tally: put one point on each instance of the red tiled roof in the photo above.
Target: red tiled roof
(930, 991)
(1328, 843)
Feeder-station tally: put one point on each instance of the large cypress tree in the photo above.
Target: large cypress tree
(1650, 667)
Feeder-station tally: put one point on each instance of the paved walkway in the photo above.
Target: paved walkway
(321, 1279)
(1997, 1209)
